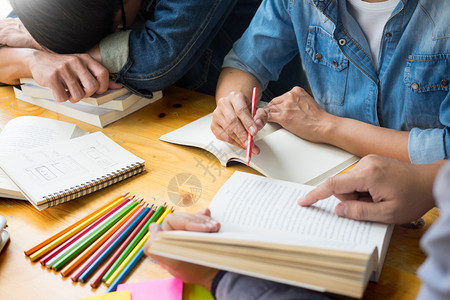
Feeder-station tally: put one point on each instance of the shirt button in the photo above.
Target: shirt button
(318, 56)
(415, 86)
(388, 34)
(342, 42)
(444, 82)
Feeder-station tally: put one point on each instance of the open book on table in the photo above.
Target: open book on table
(283, 155)
(264, 233)
(48, 162)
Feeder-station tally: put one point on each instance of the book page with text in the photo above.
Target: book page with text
(256, 205)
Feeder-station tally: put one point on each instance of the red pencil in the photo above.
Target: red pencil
(105, 245)
(80, 234)
(57, 235)
(249, 136)
(98, 278)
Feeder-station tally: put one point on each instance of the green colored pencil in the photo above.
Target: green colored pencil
(133, 243)
(91, 237)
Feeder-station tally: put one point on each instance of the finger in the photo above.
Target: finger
(222, 124)
(88, 82)
(364, 211)
(204, 212)
(260, 118)
(114, 85)
(243, 112)
(340, 184)
(59, 90)
(101, 75)
(76, 91)
(233, 125)
(189, 222)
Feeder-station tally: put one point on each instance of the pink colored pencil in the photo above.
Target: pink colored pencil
(105, 245)
(98, 279)
(57, 235)
(73, 239)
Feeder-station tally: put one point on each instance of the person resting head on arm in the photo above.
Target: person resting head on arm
(144, 45)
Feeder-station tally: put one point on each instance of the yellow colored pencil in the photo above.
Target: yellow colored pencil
(135, 249)
(44, 250)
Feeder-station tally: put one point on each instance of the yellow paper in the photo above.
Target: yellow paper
(122, 295)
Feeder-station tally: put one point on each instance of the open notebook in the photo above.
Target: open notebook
(283, 154)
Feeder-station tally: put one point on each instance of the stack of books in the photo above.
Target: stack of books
(97, 110)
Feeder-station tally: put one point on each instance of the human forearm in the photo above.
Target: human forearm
(14, 64)
(362, 139)
(235, 80)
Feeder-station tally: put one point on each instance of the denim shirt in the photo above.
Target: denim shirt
(180, 42)
(408, 90)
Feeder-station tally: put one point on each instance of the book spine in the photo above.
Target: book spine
(92, 186)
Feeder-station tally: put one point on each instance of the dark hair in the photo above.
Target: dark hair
(67, 26)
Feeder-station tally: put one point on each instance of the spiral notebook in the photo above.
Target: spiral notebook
(60, 172)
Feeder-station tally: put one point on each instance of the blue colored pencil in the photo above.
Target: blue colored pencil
(126, 270)
(112, 247)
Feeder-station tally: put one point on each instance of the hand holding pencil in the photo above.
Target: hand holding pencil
(235, 122)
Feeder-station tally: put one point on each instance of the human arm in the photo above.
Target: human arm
(80, 74)
(200, 222)
(380, 189)
(299, 113)
(169, 44)
(232, 118)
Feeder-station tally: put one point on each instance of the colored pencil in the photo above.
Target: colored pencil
(58, 241)
(80, 234)
(103, 220)
(126, 270)
(85, 242)
(101, 253)
(98, 278)
(57, 235)
(133, 243)
(85, 254)
(123, 265)
(133, 256)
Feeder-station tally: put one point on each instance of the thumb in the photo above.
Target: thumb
(362, 210)
(113, 85)
(260, 118)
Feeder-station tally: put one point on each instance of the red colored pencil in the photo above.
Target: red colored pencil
(80, 234)
(98, 279)
(105, 245)
(57, 235)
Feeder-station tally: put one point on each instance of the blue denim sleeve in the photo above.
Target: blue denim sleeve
(171, 41)
(258, 50)
(236, 286)
(429, 145)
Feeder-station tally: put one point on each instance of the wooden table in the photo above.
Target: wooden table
(139, 132)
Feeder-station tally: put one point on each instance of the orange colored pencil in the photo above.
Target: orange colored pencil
(57, 235)
(91, 249)
(52, 245)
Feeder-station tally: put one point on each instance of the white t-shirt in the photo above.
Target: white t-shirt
(372, 18)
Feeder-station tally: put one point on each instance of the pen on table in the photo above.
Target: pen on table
(249, 136)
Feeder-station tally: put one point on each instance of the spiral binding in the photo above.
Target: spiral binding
(93, 185)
